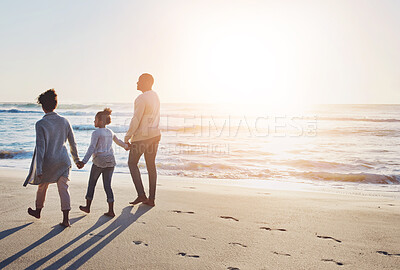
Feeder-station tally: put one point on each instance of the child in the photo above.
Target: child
(103, 160)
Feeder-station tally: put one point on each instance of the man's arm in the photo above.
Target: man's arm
(137, 117)
(40, 149)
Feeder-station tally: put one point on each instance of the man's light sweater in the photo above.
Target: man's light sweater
(146, 118)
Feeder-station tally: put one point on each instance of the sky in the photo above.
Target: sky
(207, 51)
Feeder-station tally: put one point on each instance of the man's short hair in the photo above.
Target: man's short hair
(148, 79)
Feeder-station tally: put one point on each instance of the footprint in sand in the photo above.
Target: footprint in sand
(183, 254)
(264, 193)
(198, 237)
(328, 237)
(172, 226)
(387, 253)
(182, 212)
(190, 187)
(270, 229)
(228, 217)
(237, 244)
(283, 254)
(330, 260)
(140, 243)
(232, 268)
(97, 235)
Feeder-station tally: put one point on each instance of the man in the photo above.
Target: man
(144, 136)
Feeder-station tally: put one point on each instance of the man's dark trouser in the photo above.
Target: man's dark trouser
(149, 149)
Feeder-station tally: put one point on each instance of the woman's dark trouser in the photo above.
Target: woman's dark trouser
(149, 149)
(94, 176)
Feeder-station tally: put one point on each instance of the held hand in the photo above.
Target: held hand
(128, 146)
(80, 164)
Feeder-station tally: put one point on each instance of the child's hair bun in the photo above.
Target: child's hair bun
(105, 115)
(107, 111)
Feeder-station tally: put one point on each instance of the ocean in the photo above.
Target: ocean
(329, 143)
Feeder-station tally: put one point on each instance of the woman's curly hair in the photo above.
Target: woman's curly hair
(48, 100)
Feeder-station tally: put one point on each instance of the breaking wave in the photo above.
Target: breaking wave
(350, 177)
(358, 119)
(4, 154)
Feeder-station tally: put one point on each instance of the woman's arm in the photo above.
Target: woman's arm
(40, 148)
(72, 144)
(92, 147)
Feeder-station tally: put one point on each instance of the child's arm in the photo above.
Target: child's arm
(92, 147)
(119, 142)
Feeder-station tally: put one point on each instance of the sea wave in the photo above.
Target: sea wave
(361, 132)
(116, 129)
(196, 166)
(326, 165)
(66, 106)
(207, 170)
(124, 128)
(61, 112)
(13, 110)
(19, 105)
(349, 177)
(5, 154)
(83, 127)
(18, 111)
(358, 119)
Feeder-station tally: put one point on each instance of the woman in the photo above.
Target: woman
(51, 163)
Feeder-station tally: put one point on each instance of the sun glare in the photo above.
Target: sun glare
(243, 67)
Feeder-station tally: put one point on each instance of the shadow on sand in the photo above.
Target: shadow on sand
(8, 232)
(102, 220)
(110, 233)
(56, 230)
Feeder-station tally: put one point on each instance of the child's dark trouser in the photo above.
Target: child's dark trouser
(94, 176)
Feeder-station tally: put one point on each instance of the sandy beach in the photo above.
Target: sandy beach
(199, 224)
